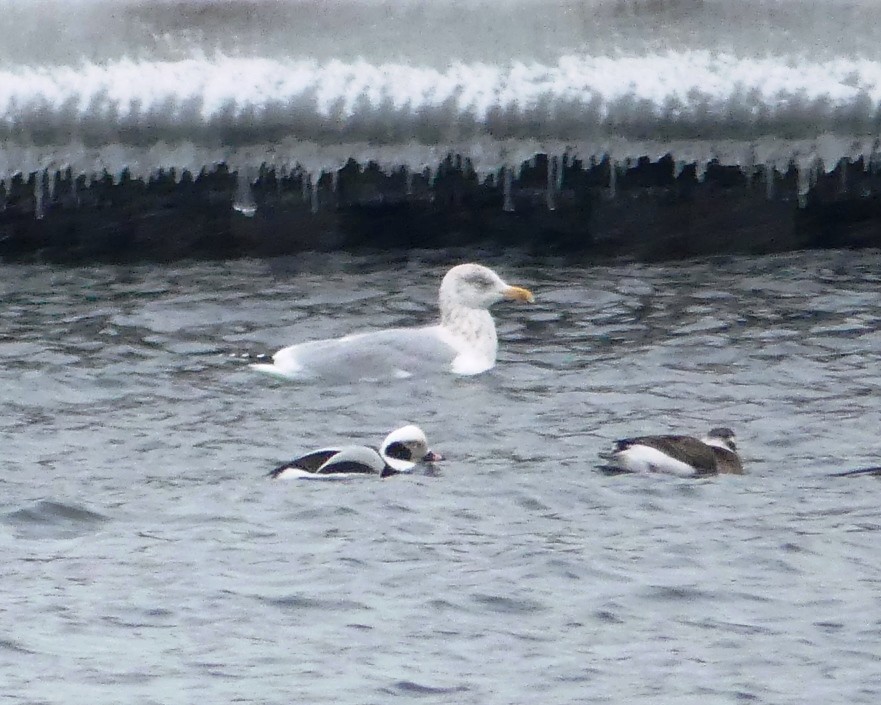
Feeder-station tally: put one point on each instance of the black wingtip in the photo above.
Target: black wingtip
(275, 472)
(251, 358)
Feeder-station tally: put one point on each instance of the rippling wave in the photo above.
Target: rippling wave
(48, 519)
(164, 555)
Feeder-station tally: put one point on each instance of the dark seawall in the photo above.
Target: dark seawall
(645, 211)
(161, 129)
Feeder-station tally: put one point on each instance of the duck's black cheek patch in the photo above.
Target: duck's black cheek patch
(398, 451)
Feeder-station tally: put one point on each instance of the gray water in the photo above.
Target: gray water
(148, 560)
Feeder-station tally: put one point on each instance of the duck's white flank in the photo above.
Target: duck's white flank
(645, 459)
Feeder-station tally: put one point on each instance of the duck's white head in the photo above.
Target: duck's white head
(475, 286)
(721, 437)
(406, 447)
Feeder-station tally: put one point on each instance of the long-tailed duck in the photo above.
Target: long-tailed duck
(685, 456)
(401, 451)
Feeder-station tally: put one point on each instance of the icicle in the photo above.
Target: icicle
(871, 164)
(313, 187)
(39, 207)
(408, 180)
(613, 177)
(804, 182)
(51, 185)
(244, 199)
(550, 190)
(334, 180)
(560, 169)
(749, 166)
(769, 181)
(678, 166)
(304, 184)
(508, 178)
(74, 191)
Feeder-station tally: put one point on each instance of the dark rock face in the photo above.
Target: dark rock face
(644, 211)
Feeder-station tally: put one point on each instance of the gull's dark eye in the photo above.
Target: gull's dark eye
(479, 280)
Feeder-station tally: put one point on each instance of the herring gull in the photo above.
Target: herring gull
(464, 342)
(401, 451)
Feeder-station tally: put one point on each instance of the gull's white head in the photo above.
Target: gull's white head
(475, 286)
(405, 447)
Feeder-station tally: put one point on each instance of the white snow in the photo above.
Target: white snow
(724, 82)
